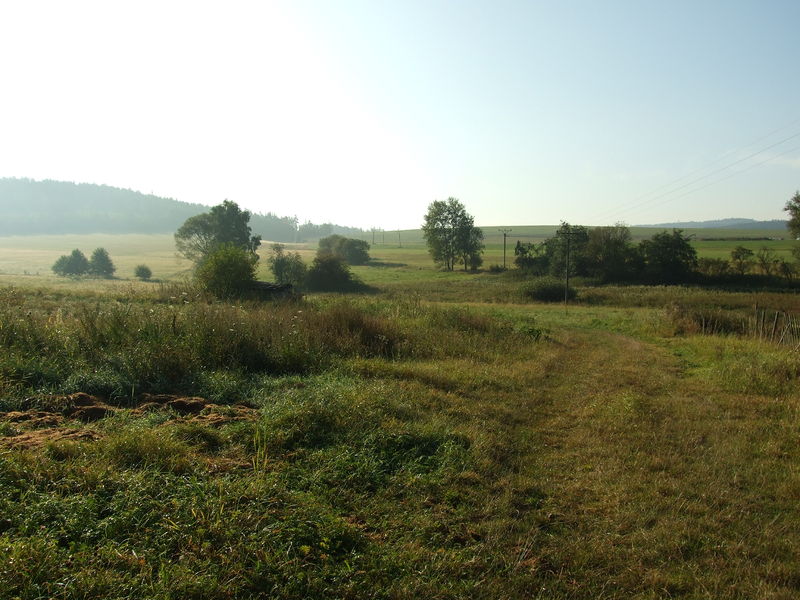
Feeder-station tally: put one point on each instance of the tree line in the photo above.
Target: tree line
(605, 254)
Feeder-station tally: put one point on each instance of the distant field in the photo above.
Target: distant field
(36, 254)
(398, 256)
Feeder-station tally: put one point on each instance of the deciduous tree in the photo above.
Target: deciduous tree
(350, 250)
(226, 223)
(793, 208)
(73, 265)
(742, 259)
(101, 265)
(451, 234)
(228, 271)
(669, 257)
(143, 272)
(287, 267)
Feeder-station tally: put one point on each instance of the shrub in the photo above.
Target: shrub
(713, 267)
(547, 289)
(73, 265)
(287, 267)
(227, 272)
(330, 273)
(143, 272)
(351, 251)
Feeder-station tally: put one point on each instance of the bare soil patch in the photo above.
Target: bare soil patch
(39, 427)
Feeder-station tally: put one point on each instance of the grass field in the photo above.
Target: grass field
(438, 438)
(36, 254)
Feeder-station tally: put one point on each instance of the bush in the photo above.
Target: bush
(228, 272)
(287, 267)
(547, 289)
(100, 265)
(73, 265)
(351, 251)
(143, 272)
(330, 273)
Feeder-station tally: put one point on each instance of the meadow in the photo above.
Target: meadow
(440, 437)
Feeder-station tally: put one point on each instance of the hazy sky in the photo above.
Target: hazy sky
(363, 112)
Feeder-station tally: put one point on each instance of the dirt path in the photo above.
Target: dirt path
(654, 482)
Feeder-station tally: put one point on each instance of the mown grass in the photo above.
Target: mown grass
(394, 447)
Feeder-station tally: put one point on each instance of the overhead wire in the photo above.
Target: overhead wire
(739, 172)
(648, 198)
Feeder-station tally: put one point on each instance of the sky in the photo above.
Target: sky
(362, 113)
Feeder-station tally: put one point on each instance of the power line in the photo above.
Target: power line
(739, 172)
(645, 200)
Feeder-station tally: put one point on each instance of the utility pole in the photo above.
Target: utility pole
(505, 233)
(399, 241)
(568, 234)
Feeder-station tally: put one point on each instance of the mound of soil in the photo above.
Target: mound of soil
(35, 428)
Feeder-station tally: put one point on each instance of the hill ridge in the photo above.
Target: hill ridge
(50, 207)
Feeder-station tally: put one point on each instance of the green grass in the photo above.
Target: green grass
(36, 254)
(440, 438)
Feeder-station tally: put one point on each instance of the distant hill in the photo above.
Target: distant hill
(29, 207)
(724, 224)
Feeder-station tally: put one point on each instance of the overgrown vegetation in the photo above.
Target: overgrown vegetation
(352, 448)
(444, 438)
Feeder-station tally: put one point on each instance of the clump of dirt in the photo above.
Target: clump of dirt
(33, 419)
(40, 437)
(39, 427)
(180, 404)
(86, 408)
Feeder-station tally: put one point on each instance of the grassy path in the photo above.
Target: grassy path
(481, 461)
(653, 483)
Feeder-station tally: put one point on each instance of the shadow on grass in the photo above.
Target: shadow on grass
(385, 265)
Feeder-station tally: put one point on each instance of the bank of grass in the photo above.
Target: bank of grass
(413, 449)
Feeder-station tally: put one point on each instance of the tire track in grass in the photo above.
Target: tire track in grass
(652, 482)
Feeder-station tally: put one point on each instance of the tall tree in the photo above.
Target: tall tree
(225, 223)
(72, 265)
(451, 234)
(100, 264)
(570, 239)
(742, 259)
(610, 253)
(793, 208)
(669, 257)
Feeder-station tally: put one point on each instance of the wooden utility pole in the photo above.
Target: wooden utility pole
(568, 234)
(505, 233)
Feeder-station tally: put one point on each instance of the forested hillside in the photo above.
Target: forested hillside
(29, 207)
(57, 207)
